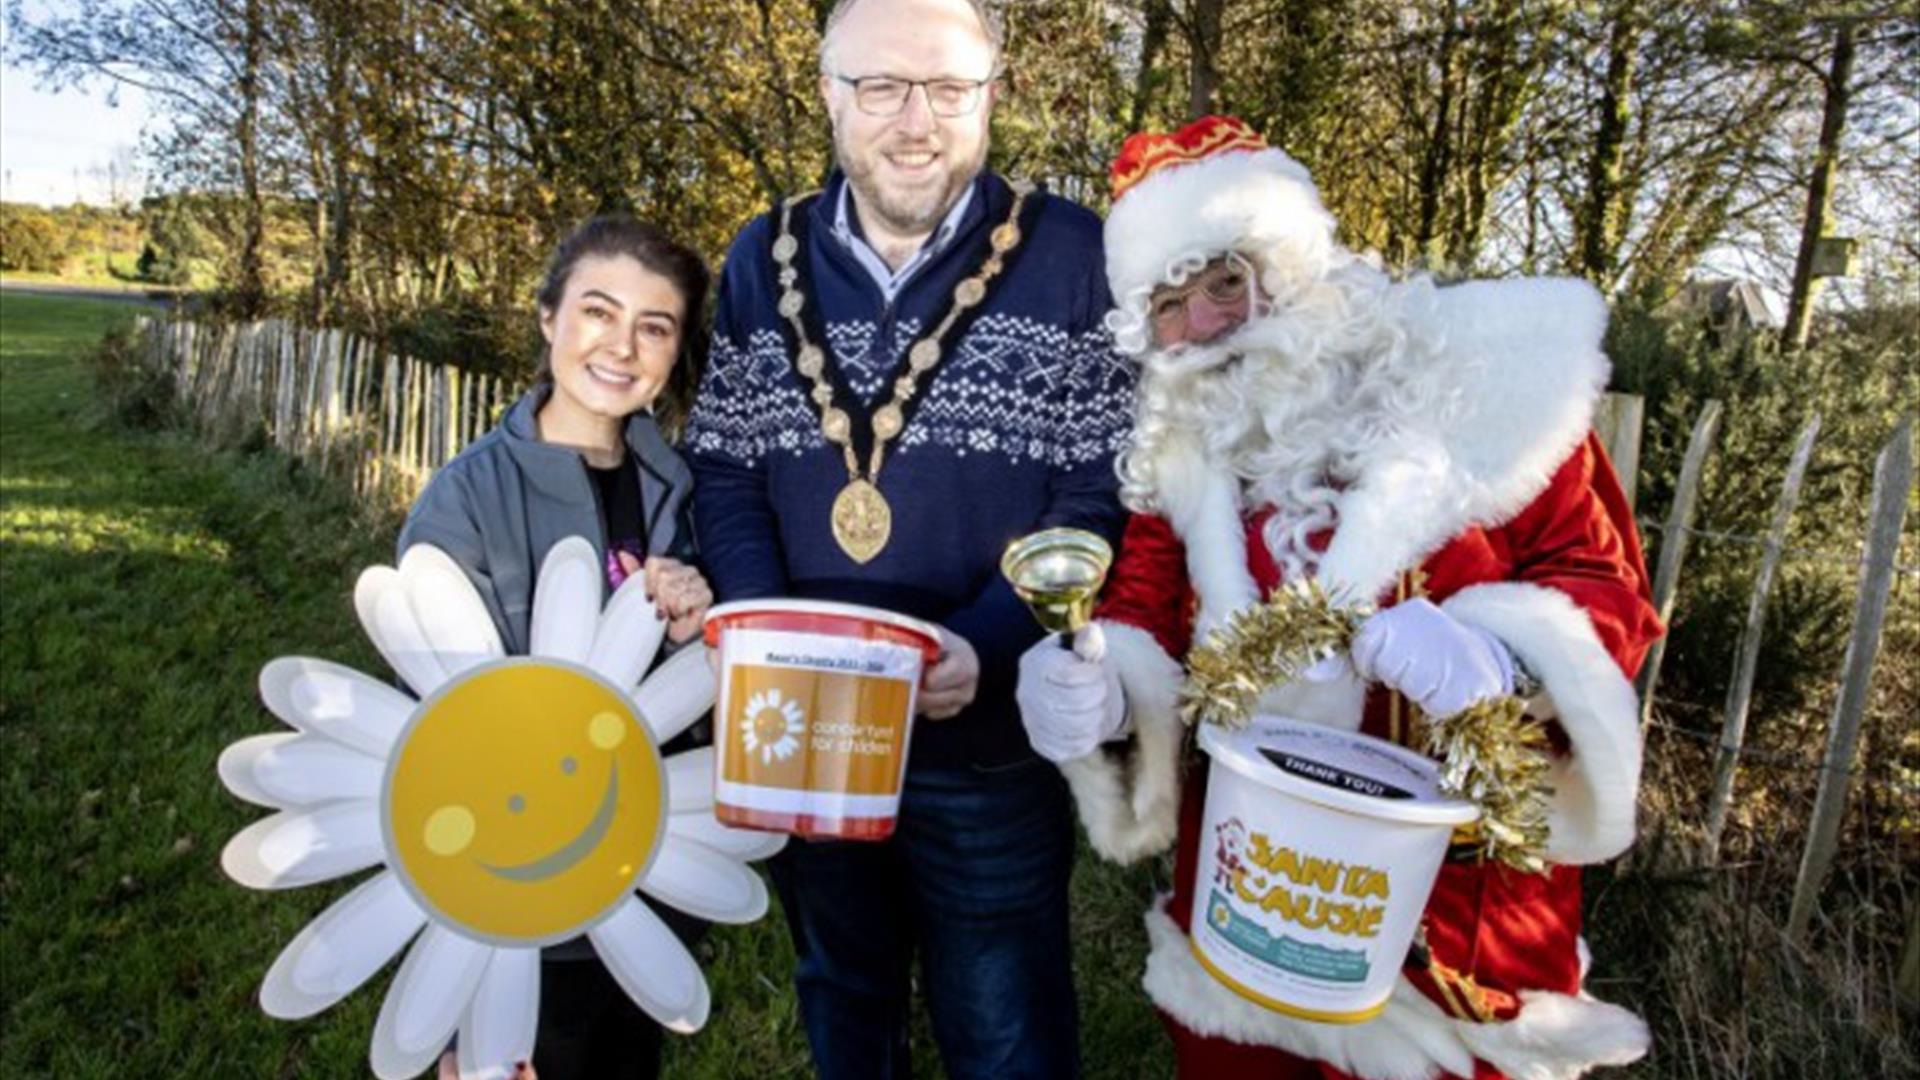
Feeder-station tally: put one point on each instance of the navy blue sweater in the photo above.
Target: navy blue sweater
(1015, 432)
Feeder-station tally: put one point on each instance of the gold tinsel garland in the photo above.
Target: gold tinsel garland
(1491, 754)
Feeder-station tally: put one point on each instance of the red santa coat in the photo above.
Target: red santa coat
(1547, 560)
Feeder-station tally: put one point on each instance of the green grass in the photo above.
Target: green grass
(143, 582)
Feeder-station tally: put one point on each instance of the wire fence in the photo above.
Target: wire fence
(1648, 525)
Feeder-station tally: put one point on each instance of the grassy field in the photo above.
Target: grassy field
(144, 582)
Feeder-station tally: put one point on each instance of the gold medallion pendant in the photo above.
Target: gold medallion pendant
(862, 520)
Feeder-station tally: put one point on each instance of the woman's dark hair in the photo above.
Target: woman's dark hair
(608, 235)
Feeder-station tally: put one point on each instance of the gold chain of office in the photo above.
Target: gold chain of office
(862, 519)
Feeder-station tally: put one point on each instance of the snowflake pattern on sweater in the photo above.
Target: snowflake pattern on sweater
(1015, 387)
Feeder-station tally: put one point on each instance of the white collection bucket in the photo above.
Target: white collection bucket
(1318, 851)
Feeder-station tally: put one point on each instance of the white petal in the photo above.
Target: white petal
(498, 1030)
(455, 620)
(341, 949)
(372, 584)
(328, 699)
(235, 767)
(408, 648)
(430, 994)
(300, 847)
(678, 693)
(689, 776)
(566, 602)
(652, 966)
(701, 827)
(628, 636)
(381, 598)
(284, 770)
(700, 881)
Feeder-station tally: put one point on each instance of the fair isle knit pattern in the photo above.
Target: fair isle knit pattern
(1014, 387)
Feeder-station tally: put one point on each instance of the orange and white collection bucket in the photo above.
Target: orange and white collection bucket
(1318, 852)
(814, 715)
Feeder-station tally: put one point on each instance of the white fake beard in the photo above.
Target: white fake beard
(1295, 405)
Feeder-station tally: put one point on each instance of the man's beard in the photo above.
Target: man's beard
(913, 211)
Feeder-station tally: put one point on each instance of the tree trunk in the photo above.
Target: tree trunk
(1152, 40)
(1826, 161)
(1601, 221)
(339, 238)
(1436, 162)
(250, 287)
(1203, 39)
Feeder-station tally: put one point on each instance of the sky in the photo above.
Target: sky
(55, 146)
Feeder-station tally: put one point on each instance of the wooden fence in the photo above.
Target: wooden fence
(1878, 567)
(326, 397)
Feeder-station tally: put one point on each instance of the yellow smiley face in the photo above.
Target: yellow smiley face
(524, 801)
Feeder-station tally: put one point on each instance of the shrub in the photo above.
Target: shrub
(466, 333)
(135, 391)
(30, 241)
(1858, 378)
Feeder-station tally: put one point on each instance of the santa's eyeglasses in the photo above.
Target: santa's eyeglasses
(1225, 281)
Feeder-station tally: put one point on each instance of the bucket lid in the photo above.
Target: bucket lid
(832, 609)
(1343, 770)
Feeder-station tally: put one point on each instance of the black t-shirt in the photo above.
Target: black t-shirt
(620, 515)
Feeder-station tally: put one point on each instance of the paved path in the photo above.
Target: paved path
(130, 295)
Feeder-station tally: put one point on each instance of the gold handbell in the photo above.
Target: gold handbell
(1058, 572)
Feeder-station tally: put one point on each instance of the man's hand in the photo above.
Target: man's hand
(1440, 663)
(1070, 700)
(949, 685)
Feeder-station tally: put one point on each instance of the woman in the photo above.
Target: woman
(583, 453)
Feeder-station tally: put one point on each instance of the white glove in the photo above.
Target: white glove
(1070, 701)
(1440, 663)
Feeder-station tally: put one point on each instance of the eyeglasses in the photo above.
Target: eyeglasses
(884, 95)
(1224, 281)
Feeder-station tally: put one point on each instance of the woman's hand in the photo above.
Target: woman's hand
(680, 594)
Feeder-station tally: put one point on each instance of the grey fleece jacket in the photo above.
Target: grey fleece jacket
(502, 504)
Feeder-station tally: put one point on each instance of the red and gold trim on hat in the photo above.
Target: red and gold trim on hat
(1146, 153)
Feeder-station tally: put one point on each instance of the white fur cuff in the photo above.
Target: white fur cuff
(1131, 805)
(1597, 786)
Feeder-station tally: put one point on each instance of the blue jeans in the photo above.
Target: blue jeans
(974, 879)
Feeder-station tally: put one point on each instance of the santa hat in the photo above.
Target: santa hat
(1213, 186)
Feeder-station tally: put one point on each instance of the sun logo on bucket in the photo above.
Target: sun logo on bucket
(1220, 915)
(774, 726)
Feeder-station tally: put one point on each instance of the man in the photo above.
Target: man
(1428, 450)
(909, 370)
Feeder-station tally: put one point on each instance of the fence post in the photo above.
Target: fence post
(1907, 983)
(1673, 546)
(1733, 730)
(1892, 479)
(1619, 421)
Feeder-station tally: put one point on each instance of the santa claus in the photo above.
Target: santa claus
(1420, 448)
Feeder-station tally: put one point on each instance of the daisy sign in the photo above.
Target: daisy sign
(509, 802)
